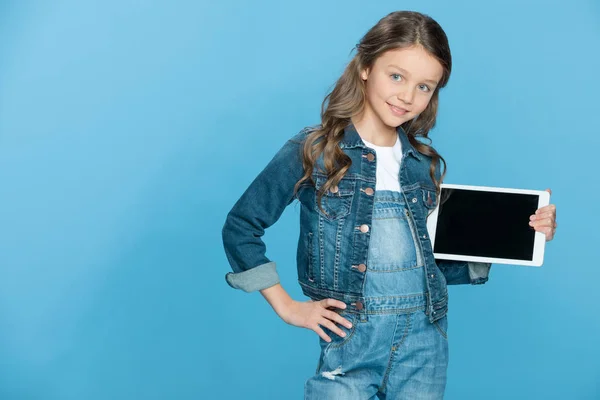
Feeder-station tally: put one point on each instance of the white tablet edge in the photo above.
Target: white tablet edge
(539, 240)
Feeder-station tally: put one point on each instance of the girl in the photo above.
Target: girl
(378, 298)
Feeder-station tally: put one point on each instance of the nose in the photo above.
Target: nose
(407, 95)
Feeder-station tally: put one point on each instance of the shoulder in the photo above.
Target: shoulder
(427, 161)
(301, 136)
(292, 150)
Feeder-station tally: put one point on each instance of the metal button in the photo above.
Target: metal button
(432, 275)
(434, 312)
(369, 191)
(424, 236)
(359, 305)
(362, 267)
(414, 200)
(334, 189)
(370, 156)
(364, 228)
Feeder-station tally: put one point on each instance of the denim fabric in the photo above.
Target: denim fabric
(333, 242)
(395, 267)
(392, 351)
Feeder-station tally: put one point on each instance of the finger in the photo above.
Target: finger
(549, 190)
(332, 327)
(545, 230)
(549, 221)
(542, 216)
(337, 318)
(321, 333)
(326, 303)
(549, 234)
(548, 208)
(542, 223)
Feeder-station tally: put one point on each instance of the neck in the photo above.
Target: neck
(374, 130)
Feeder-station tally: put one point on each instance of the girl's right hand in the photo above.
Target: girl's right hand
(311, 314)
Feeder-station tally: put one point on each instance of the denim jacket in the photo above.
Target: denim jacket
(333, 245)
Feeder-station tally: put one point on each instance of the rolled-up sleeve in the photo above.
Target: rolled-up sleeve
(259, 207)
(464, 272)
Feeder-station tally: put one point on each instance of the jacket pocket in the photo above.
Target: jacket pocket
(337, 201)
(429, 198)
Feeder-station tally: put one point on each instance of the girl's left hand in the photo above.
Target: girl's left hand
(544, 220)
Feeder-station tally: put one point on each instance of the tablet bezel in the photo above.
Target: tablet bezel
(539, 240)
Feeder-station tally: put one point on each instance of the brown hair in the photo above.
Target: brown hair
(398, 29)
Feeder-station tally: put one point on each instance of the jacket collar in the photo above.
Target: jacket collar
(352, 139)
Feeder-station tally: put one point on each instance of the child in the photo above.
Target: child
(366, 185)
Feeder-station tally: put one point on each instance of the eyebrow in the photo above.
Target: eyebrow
(408, 73)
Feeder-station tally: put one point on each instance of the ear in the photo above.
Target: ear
(364, 74)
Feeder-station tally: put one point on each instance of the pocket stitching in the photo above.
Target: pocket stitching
(440, 330)
(310, 272)
(331, 345)
(345, 194)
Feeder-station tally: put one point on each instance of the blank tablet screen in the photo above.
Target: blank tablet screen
(485, 224)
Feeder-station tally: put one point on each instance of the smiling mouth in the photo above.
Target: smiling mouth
(398, 110)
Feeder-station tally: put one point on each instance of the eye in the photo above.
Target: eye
(393, 76)
(426, 87)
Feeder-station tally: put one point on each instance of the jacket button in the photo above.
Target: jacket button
(414, 200)
(370, 156)
(364, 228)
(334, 189)
(359, 305)
(369, 191)
(362, 267)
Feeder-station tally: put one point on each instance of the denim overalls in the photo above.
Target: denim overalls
(392, 350)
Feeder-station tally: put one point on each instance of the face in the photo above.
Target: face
(400, 84)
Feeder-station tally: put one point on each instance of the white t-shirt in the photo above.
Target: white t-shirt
(388, 165)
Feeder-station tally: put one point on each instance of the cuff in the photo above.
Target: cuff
(257, 278)
(479, 272)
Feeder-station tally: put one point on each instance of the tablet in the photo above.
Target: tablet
(487, 224)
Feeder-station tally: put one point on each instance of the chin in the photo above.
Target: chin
(394, 122)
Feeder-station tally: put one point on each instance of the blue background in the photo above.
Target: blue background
(129, 128)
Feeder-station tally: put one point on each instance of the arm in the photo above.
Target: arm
(259, 207)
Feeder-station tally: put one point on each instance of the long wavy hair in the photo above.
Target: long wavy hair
(400, 29)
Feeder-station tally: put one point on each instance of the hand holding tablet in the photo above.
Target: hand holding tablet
(488, 224)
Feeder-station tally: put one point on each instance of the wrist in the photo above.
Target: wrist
(279, 300)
